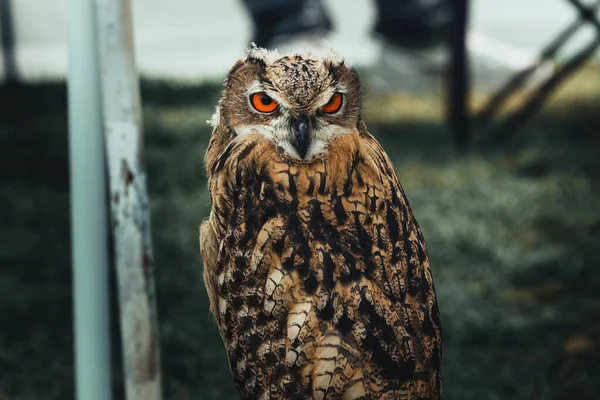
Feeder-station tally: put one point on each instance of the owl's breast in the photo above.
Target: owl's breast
(321, 261)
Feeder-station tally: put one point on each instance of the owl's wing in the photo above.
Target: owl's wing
(211, 231)
(209, 247)
(399, 305)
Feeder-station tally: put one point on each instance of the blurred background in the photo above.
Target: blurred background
(512, 225)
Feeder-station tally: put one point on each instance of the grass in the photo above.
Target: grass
(512, 232)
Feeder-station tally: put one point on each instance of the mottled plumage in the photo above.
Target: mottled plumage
(316, 269)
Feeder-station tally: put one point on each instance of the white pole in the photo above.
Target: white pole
(129, 201)
(88, 208)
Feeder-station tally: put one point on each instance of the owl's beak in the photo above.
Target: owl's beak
(301, 137)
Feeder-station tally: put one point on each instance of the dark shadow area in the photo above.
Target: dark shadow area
(513, 233)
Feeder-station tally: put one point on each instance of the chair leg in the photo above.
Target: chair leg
(8, 42)
(458, 76)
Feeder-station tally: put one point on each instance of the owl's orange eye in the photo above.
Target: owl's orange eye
(334, 104)
(262, 102)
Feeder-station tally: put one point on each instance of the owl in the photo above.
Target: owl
(315, 267)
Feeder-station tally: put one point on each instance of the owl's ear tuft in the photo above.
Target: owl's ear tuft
(256, 53)
(238, 64)
(333, 58)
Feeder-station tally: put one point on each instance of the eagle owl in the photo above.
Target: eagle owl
(315, 267)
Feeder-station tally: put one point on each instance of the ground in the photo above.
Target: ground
(512, 231)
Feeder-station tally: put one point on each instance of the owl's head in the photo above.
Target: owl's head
(299, 102)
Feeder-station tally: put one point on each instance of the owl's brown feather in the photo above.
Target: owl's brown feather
(317, 272)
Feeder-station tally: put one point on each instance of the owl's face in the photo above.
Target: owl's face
(298, 102)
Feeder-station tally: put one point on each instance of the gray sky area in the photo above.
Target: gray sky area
(197, 39)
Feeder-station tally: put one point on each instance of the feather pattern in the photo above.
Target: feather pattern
(317, 272)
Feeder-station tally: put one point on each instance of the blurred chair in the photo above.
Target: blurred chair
(459, 87)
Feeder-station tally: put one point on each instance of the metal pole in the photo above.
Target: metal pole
(88, 207)
(8, 42)
(134, 258)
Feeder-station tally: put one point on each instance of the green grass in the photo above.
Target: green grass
(512, 232)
